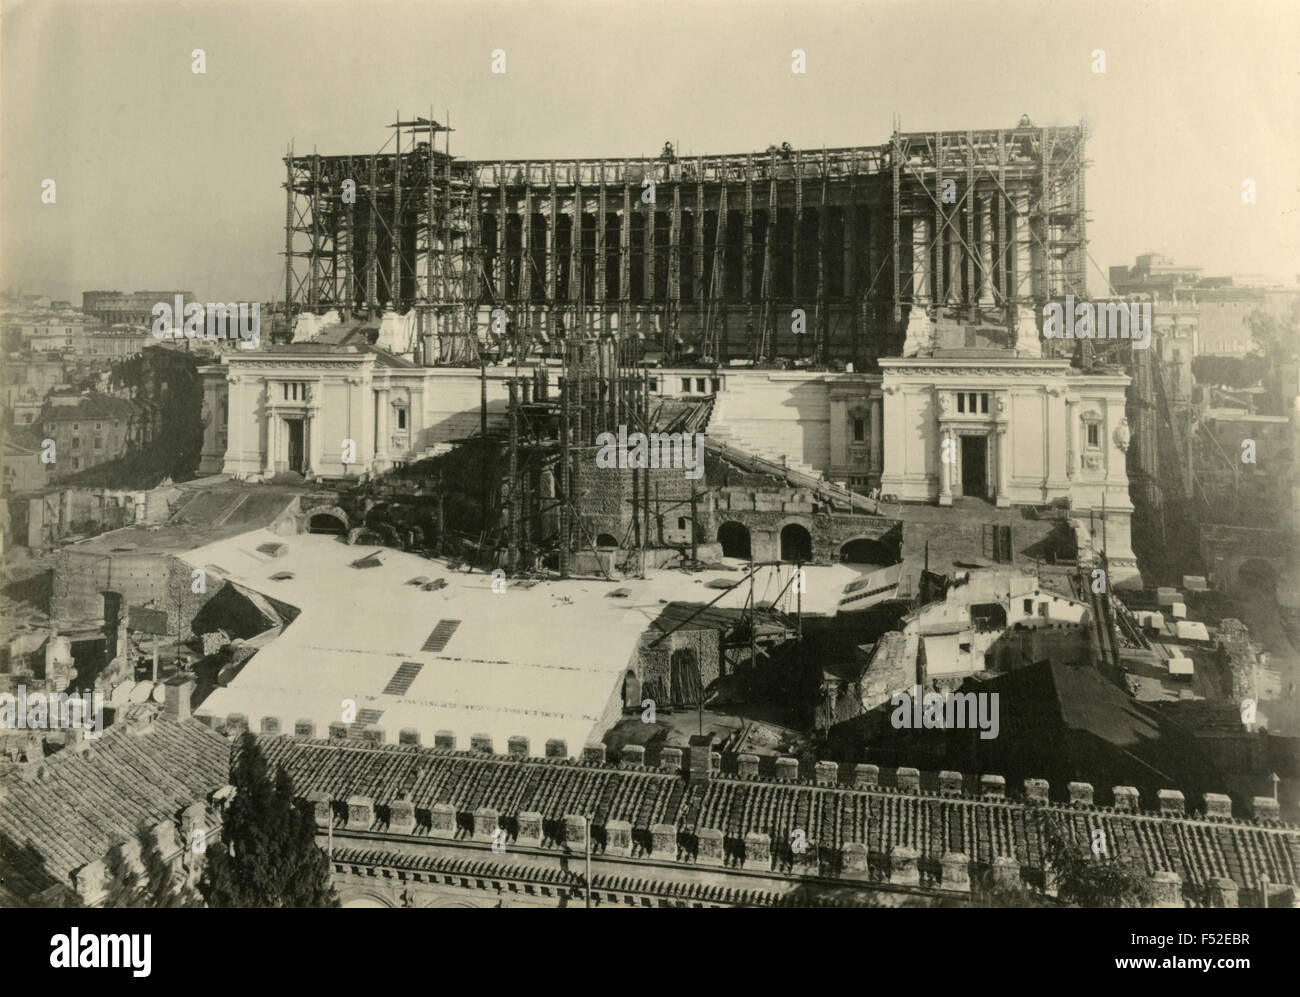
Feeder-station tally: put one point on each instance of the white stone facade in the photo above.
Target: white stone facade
(1015, 430)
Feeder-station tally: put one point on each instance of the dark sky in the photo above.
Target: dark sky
(166, 178)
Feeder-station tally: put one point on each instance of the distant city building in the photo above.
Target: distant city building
(136, 307)
(1213, 312)
(26, 383)
(87, 430)
(23, 468)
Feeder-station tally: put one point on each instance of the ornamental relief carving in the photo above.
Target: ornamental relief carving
(1042, 372)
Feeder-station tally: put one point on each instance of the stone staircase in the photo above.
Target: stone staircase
(718, 431)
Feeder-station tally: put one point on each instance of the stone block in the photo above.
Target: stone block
(1127, 799)
(1037, 791)
(442, 820)
(663, 841)
(361, 813)
(709, 849)
(1172, 802)
(903, 867)
(1081, 793)
(618, 837)
(758, 851)
(401, 817)
(956, 871)
(530, 828)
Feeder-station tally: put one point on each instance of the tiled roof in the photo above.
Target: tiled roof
(81, 804)
(832, 815)
(565, 878)
(92, 406)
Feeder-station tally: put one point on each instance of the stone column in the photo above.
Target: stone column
(920, 332)
(311, 445)
(1055, 413)
(1027, 344)
(235, 427)
(381, 427)
(947, 443)
(1071, 448)
(1003, 499)
(271, 418)
(986, 250)
(356, 423)
(952, 270)
(839, 432)
(877, 426)
(1023, 287)
(921, 260)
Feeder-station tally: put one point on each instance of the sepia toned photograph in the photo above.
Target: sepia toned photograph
(630, 455)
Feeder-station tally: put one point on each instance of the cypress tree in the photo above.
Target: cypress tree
(267, 856)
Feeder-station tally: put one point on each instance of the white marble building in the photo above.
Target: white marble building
(1003, 426)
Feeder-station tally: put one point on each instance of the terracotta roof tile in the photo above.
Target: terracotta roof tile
(830, 816)
(84, 803)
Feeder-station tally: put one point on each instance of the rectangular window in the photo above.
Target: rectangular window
(76, 443)
(859, 430)
(961, 402)
(717, 385)
(654, 384)
(1094, 434)
(699, 385)
(76, 463)
(99, 443)
(99, 425)
(1029, 607)
(686, 384)
(401, 418)
(984, 403)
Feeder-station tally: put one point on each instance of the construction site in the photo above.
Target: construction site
(821, 257)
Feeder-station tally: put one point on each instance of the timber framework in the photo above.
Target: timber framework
(699, 259)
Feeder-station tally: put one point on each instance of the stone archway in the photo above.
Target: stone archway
(865, 550)
(735, 540)
(327, 519)
(362, 898)
(1257, 574)
(796, 543)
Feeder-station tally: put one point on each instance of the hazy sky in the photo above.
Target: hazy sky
(168, 179)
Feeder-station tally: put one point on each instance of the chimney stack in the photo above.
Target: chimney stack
(179, 691)
(699, 758)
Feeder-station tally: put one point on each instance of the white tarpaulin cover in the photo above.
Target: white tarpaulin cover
(308, 327)
(397, 333)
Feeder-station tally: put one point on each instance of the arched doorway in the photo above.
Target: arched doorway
(1257, 575)
(734, 538)
(864, 551)
(328, 523)
(606, 540)
(796, 543)
(365, 900)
